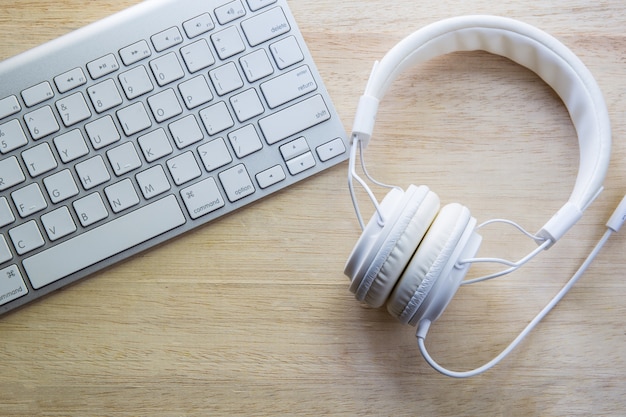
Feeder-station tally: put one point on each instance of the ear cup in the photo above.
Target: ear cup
(430, 258)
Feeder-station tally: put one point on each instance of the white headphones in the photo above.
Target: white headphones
(412, 255)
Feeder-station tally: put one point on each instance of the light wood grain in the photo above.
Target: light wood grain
(252, 315)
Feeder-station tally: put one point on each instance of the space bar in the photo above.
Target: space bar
(103, 242)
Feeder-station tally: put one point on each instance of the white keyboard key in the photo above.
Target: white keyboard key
(228, 42)
(256, 65)
(29, 200)
(294, 119)
(288, 86)
(135, 52)
(155, 145)
(247, 105)
(41, 122)
(166, 39)
(37, 94)
(195, 92)
(70, 80)
(186, 131)
(301, 163)
(58, 223)
(167, 69)
(26, 237)
(270, 176)
(265, 26)
(104, 96)
(71, 145)
(294, 148)
(102, 66)
(202, 198)
(136, 82)
(153, 182)
(165, 105)
(73, 109)
(61, 186)
(121, 195)
(330, 149)
(215, 154)
(9, 106)
(102, 132)
(226, 79)
(39, 159)
(124, 158)
(286, 52)
(134, 118)
(6, 215)
(103, 242)
(184, 168)
(236, 183)
(259, 4)
(197, 56)
(12, 136)
(229, 12)
(198, 25)
(90, 210)
(11, 284)
(10, 173)
(92, 172)
(216, 118)
(5, 252)
(245, 141)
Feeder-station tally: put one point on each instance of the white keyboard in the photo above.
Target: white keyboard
(147, 124)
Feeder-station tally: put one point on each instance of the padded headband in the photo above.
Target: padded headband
(533, 49)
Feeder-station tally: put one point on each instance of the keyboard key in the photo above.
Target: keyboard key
(61, 186)
(102, 132)
(228, 42)
(29, 200)
(216, 118)
(135, 52)
(41, 122)
(288, 86)
(12, 284)
(247, 105)
(12, 136)
(5, 252)
(198, 25)
(26, 237)
(215, 154)
(167, 69)
(286, 52)
(71, 145)
(6, 215)
(70, 80)
(226, 79)
(294, 148)
(245, 141)
(256, 65)
(186, 131)
(134, 119)
(270, 176)
(197, 56)
(10, 173)
(229, 12)
(331, 149)
(236, 183)
(155, 145)
(37, 94)
(58, 223)
(184, 168)
(87, 249)
(301, 163)
(165, 105)
(294, 119)
(39, 159)
(153, 182)
(9, 106)
(121, 195)
(195, 92)
(73, 109)
(104, 96)
(90, 210)
(265, 26)
(124, 158)
(166, 39)
(202, 198)
(92, 172)
(136, 82)
(103, 66)
(259, 4)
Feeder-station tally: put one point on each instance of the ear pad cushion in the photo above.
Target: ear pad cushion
(429, 259)
(401, 248)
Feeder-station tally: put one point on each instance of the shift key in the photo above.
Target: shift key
(294, 119)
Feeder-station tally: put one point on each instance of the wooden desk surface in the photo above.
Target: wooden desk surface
(252, 315)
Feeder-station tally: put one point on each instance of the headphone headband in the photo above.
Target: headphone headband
(532, 48)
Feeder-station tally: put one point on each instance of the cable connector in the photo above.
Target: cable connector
(618, 217)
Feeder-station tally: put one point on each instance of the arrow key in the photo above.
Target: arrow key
(270, 176)
(301, 163)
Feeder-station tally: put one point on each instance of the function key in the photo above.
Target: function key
(229, 12)
(135, 52)
(37, 94)
(103, 66)
(9, 106)
(259, 4)
(70, 80)
(166, 39)
(198, 25)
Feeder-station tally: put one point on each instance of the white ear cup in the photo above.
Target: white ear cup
(428, 262)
